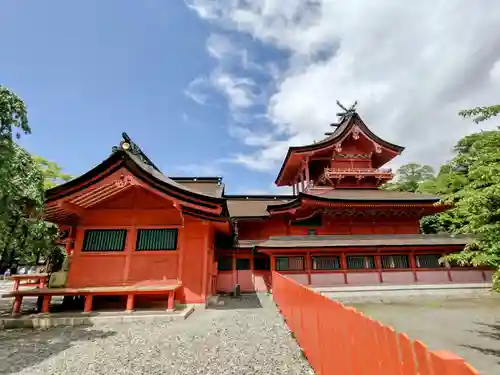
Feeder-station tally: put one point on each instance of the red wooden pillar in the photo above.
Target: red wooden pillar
(15, 287)
(88, 304)
(208, 229)
(378, 266)
(180, 249)
(170, 303)
(130, 242)
(413, 266)
(130, 303)
(308, 267)
(308, 177)
(16, 306)
(46, 303)
(343, 266)
(235, 275)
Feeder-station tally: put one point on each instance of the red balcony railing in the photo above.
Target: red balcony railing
(380, 173)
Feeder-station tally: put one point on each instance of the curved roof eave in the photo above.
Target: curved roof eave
(297, 202)
(125, 159)
(341, 130)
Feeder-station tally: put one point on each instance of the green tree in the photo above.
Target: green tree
(52, 173)
(477, 203)
(13, 115)
(24, 235)
(480, 114)
(409, 177)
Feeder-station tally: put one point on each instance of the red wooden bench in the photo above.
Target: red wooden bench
(35, 279)
(143, 288)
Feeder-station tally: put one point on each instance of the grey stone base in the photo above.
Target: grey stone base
(44, 321)
(386, 293)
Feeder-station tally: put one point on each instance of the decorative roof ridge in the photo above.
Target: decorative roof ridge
(129, 146)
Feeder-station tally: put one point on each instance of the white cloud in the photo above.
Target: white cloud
(196, 90)
(411, 65)
(237, 90)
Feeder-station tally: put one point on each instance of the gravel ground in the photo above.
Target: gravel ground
(469, 327)
(240, 337)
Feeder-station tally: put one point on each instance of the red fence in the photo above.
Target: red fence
(339, 340)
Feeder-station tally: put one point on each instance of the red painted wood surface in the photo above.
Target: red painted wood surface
(139, 209)
(340, 340)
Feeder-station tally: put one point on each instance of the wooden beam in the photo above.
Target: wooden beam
(72, 208)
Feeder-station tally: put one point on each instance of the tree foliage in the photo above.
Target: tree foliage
(24, 236)
(480, 114)
(13, 115)
(52, 173)
(410, 176)
(471, 182)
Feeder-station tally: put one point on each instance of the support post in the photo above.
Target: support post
(130, 303)
(46, 303)
(170, 303)
(16, 306)
(343, 265)
(88, 304)
(378, 265)
(308, 268)
(15, 287)
(308, 177)
(413, 266)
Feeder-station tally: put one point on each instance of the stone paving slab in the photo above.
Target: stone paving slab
(469, 327)
(45, 321)
(246, 336)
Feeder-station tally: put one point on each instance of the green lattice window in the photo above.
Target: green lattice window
(289, 263)
(156, 239)
(104, 240)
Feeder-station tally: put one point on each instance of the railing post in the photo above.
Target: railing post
(446, 363)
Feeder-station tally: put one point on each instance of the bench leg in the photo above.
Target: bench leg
(130, 303)
(88, 304)
(16, 306)
(170, 305)
(46, 304)
(15, 287)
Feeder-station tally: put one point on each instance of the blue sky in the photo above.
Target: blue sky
(225, 87)
(90, 70)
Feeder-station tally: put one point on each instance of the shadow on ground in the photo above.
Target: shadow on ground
(489, 331)
(24, 348)
(245, 301)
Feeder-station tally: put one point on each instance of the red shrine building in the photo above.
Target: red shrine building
(125, 223)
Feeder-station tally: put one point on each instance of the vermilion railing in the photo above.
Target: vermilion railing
(339, 340)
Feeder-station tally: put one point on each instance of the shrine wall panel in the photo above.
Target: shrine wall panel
(363, 278)
(327, 279)
(432, 277)
(96, 270)
(255, 230)
(194, 257)
(152, 265)
(468, 276)
(398, 277)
